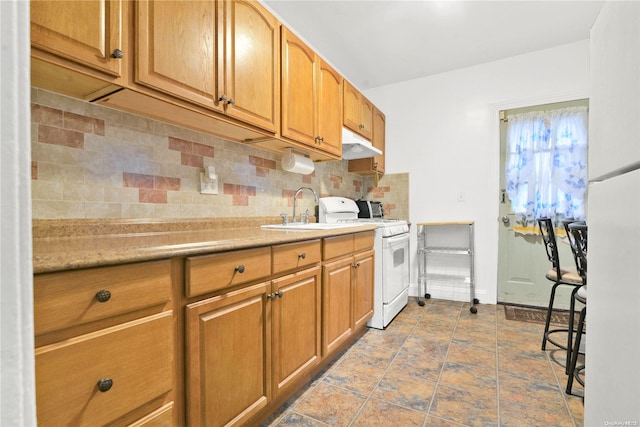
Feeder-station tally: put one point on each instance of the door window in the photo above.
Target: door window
(546, 165)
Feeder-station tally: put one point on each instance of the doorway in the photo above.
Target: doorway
(522, 259)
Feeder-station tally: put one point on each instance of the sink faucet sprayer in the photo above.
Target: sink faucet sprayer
(295, 196)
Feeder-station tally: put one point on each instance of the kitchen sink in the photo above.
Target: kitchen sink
(309, 226)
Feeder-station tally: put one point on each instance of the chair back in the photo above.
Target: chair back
(550, 244)
(579, 247)
(572, 240)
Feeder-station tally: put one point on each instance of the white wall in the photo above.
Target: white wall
(17, 376)
(443, 131)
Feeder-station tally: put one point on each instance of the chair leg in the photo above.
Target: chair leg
(549, 313)
(572, 308)
(576, 350)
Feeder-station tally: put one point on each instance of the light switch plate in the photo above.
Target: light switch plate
(208, 186)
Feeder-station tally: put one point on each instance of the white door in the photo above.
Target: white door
(522, 259)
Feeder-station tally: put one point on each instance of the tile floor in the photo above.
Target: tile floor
(440, 365)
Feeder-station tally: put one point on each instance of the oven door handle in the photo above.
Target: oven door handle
(397, 238)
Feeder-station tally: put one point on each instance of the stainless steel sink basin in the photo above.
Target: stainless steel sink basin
(310, 226)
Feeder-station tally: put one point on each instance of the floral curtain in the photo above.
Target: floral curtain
(546, 166)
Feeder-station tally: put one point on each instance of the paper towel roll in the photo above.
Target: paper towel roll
(292, 162)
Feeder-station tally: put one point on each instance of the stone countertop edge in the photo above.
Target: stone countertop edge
(60, 245)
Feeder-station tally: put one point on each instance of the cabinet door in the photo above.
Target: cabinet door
(351, 112)
(378, 140)
(228, 357)
(366, 117)
(358, 111)
(329, 109)
(296, 326)
(86, 32)
(363, 288)
(298, 90)
(178, 50)
(337, 316)
(373, 165)
(252, 64)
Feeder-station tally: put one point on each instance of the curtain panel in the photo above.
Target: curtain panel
(546, 166)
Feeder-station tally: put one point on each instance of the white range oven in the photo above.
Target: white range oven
(391, 245)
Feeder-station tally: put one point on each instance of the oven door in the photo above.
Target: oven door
(395, 266)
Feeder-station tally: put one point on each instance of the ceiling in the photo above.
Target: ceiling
(376, 43)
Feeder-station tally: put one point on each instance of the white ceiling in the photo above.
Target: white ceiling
(376, 43)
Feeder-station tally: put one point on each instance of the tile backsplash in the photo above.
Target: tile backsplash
(90, 161)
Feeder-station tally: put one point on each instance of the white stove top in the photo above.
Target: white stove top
(342, 209)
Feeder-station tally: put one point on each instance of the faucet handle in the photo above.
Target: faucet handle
(305, 215)
(285, 218)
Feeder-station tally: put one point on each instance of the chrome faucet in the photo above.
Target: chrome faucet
(295, 196)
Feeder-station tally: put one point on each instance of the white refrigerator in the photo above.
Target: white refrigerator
(612, 375)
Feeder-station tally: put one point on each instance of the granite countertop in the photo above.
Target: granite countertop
(72, 244)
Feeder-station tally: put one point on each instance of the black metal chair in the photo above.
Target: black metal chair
(561, 276)
(578, 232)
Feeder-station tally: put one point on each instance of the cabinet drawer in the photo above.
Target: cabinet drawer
(295, 255)
(363, 241)
(337, 246)
(137, 356)
(70, 298)
(212, 272)
(162, 417)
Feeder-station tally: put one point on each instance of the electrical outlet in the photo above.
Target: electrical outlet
(208, 186)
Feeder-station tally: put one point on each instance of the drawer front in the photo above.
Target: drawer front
(70, 298)
(162, 417)
(363, 241)
(337, 246)
(212, 272)
(136, 356)
(295, 255)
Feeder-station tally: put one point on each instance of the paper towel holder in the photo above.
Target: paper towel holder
(297, 161)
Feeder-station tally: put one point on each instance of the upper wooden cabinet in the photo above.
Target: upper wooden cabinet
(223, 55)
(86, 32)
(311, 97)
(251, 88)
(358, 112)
(329, 108)
(373, 165)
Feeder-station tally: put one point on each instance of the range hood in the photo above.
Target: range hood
(356, 147)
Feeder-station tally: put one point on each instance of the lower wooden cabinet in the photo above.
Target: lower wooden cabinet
(228, 356)
(296, 334)
(105, 346)
(256, 324)
(338, 301)
(348, 298)
(363, 281)
(96, 378)
(246, 346)
(347, 288)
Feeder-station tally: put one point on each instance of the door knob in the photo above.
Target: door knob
(506, 220)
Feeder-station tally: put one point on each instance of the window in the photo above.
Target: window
(546, 165)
